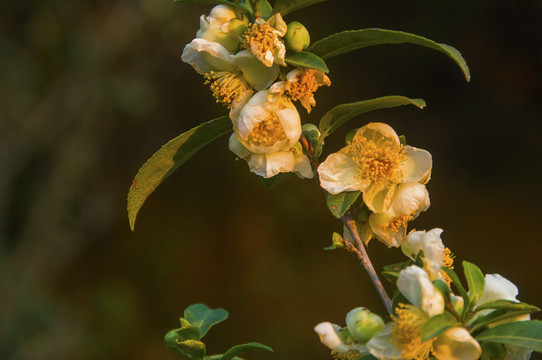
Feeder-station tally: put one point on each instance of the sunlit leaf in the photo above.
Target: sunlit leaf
(338, 204)
(524, 334)
(201, 316)
(475, 280)
(437, 325)
(346, 41)
(169, 158)
(240, 349)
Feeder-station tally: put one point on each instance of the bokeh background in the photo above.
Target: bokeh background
(90, 89)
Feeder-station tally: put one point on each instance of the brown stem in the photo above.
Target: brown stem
(366, 262)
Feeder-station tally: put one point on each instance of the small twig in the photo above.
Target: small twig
(366, 262)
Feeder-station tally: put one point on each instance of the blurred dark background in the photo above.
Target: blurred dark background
(90, 89)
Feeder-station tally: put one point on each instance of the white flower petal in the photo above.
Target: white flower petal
(412, 245)
(339, 173)
(268, 165)
(456, 344)
(378, 197)
(391, 237)
(417, 165)
(379, 132)
(415, 285)
(330, 338)
(381, 345)
(498, 287)
(410, 199)
(433, 251)
(302, 166)
(206, 56)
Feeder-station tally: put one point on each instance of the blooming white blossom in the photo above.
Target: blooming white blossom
(374, 162)
(401, 339)
(223, 25)
(329, 336)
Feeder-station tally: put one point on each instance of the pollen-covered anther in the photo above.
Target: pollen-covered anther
(262, 41)
(395, 224)
(407, 326)
(350, 355)
(226, 86)
(268, 132)
(304, 87)
(448, 262)
(376, 163)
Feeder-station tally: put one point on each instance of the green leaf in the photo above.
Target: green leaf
(277, 179)
(497, 316)
(391, 276)
(305, 60)
(262, 9)
(492, 351)
(240, 349)
(460, 288)
(524, 334)
(287, 6)
(368, 357)
(507, 305)
(340, 114)
(391, 272)
(337, 242)
(346, 41)
(201, 316)
(338, 204)
(437, 325)
(242, 5)
(475, 280)
(169, 158)
(192, 349)
(443, 288)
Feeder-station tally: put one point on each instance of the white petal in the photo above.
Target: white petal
(412, 245)
(414, 284)
(378, 197)
(254, 72)
(456, 344)
(379, 132)
(498, 287)
(251, 114)
(339, 173)
(205, 56)
(379, 224)
(417, 165)
(237, 148)
(410, 199)
(330, 338)
(268, 165)
(433, 251)
(381, 345)
(302, 166)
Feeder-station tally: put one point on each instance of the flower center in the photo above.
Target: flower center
(260, 38)
(304, 87)
(407, 326)
(225, 86)
(447, 261)
(268, 132)
(376, 163)
(395, 224)
(350, 355)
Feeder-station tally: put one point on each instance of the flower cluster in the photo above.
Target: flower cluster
(429, 321)
(243, 61)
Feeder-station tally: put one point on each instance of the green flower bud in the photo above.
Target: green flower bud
(297, 37)
(171, 339)
(363, 324)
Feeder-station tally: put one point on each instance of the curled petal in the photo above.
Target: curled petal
(268, 165)
(382, 346)
(391, 236)
(378, 197)
(380, 133)
(417, 165)
(302, 166)
(254, 72)
(413, 244)
(456, 344)
(415, 285)
(498, 287)
(339, 173)
(410, 199)
(329, 337)
(206, 56)
(237, 148)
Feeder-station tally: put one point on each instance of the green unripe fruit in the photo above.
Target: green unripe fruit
(363, 324)
(297, 37)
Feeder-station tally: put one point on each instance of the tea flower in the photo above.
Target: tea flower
(231, 77)
(301, 84)
(374, 162)
(223, 25)
(263, 39)
(401, 339)
(390, 226)
(332, 336)
(435, 255)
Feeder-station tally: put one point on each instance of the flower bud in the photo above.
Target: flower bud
(297, 37)
(363, 324)
(171, 339)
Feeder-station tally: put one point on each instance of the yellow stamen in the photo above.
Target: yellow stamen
(226, 87)
(350, 355)
(377, 163)
(448, 261)
(407, 326)
(268, 132)
(304, 87)
(395, 224)
(260, 38)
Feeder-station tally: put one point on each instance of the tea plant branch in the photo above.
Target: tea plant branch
(366, 262)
